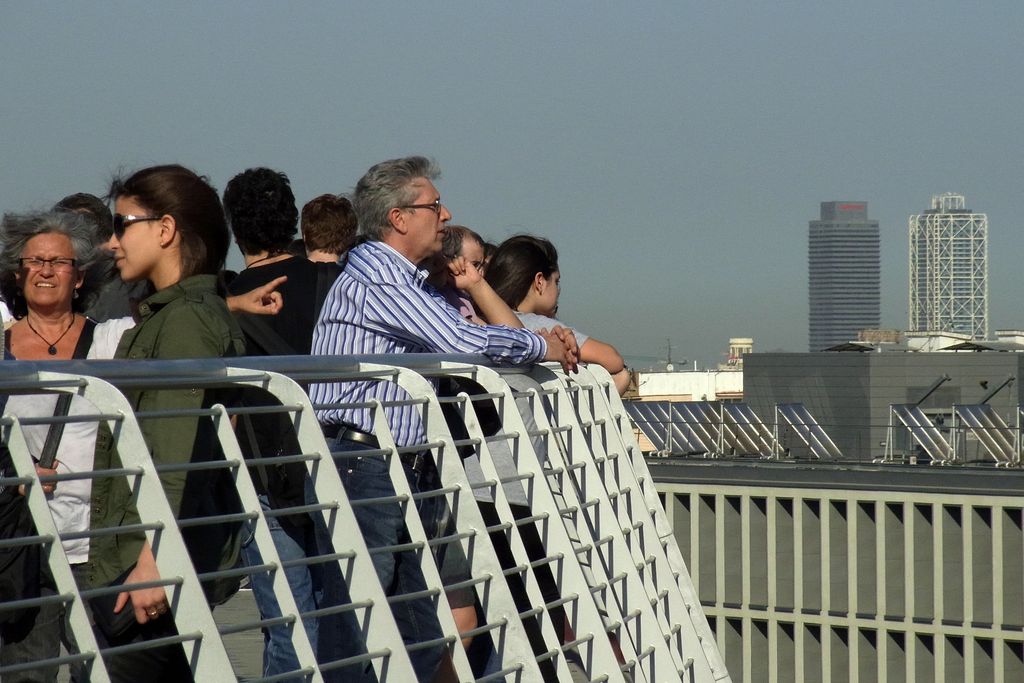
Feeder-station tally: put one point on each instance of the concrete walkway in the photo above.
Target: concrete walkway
(245, 649)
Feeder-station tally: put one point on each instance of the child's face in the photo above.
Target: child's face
(473, 252)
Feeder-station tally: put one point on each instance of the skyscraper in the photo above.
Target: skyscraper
(843, 274)
(949, 268)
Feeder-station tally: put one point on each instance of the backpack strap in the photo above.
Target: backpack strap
(262, 339)
(85, 339)
(56, 431)
(326, 274)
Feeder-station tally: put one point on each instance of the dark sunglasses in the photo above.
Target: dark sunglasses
(121, 223)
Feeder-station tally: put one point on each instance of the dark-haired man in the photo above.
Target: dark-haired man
(261, 212)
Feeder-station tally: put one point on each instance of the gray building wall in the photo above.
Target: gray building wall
(849, 394)
(843, 274)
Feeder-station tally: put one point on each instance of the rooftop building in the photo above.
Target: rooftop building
(738, 348)
(949, 268)
(843, 274)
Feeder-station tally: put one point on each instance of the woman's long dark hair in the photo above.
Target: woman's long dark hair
(176, 191)
(514, 264)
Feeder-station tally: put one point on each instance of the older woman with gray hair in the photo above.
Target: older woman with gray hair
(51, 252)
(45, 259)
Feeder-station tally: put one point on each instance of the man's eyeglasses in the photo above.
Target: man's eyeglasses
(121, 223)
(58, 264)
(434, 206)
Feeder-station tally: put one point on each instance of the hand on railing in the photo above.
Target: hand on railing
(562, 347)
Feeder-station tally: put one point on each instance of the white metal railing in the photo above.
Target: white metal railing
(623, 588)
(886, 573)
(645, 527)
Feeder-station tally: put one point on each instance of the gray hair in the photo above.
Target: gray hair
(17, 229)
(386, 186)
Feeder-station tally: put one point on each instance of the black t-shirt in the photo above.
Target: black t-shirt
(289, 332)
(303, 295)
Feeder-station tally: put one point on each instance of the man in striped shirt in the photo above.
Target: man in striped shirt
(382, 304)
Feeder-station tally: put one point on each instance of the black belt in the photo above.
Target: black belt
(350, 433)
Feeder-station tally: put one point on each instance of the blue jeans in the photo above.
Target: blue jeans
(292, 543)
(313, 587)
(399, 573)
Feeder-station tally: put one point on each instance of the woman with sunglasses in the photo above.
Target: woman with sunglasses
(169, 229)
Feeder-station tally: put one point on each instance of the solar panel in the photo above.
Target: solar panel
(808, 430)
(699, 427)
(651, 418)
(922, 431)
(701, 424)
(990, 429)
(664, 426)
(745, 432)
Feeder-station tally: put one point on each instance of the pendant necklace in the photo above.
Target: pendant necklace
(52, 348)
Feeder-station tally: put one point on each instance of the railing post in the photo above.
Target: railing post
(633, 484)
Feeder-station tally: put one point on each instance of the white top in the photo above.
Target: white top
(69, 502)
(106, 337)
(537, 322)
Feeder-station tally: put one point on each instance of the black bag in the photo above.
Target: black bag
(114, 626)
(215, 546)
(20, 566)
(270, 435)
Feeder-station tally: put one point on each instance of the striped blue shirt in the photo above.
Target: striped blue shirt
(381, 303)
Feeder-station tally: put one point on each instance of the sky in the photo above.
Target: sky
(674, 152)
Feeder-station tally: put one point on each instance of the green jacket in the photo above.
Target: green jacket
(186, 320)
